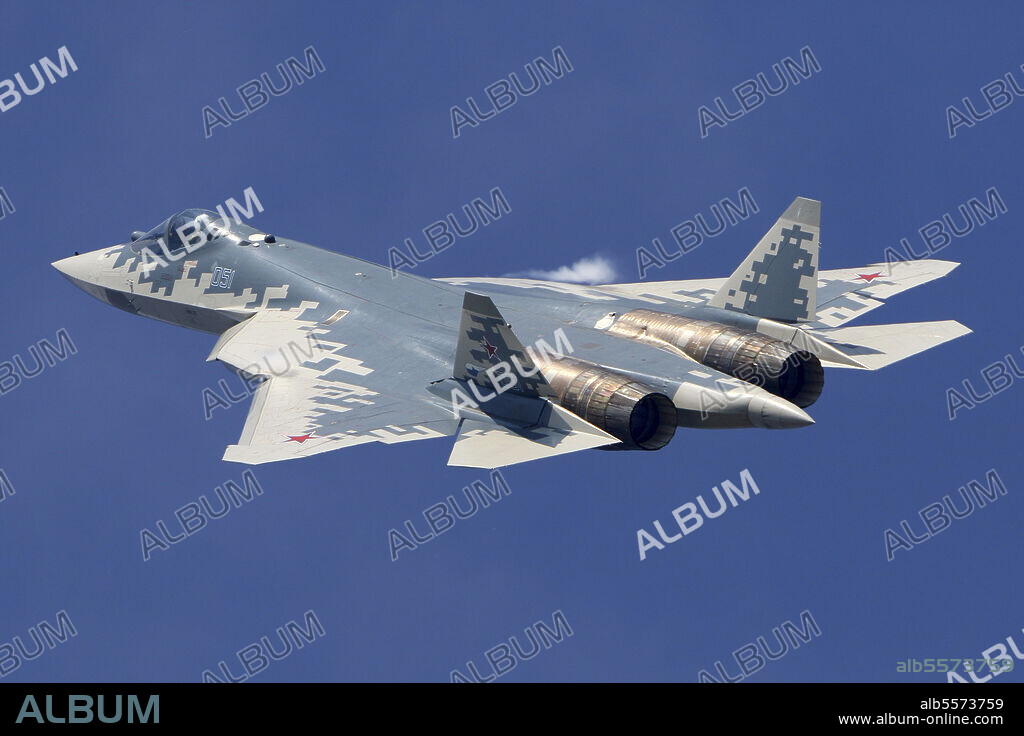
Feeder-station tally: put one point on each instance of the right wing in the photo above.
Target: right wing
(845, 294)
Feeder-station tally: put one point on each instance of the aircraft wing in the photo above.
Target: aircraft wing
(360, 378)
(321, 394)
(846, 294)
(843, 294)
(780, 280)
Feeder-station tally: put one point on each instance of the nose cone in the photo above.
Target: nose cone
(85, 272)
(79, 268)
(773, 412)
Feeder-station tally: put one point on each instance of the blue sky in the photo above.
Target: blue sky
(599, 162)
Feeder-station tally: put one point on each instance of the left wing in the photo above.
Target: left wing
(318, 396)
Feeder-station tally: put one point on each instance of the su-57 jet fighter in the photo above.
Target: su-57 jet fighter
(341, 351)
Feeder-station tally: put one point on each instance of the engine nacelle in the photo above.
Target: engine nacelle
(774, 365)
(639, 416)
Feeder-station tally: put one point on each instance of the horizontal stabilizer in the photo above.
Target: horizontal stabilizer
(876, 346)
(488, 442)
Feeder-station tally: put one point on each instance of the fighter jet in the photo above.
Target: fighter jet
(341, 352)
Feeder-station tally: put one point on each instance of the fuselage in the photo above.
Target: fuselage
(199, 272)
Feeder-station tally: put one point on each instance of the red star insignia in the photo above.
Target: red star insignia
(300, 438)
(869, 277)
(491, 350)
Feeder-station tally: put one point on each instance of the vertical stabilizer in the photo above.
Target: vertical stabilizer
(779, 279)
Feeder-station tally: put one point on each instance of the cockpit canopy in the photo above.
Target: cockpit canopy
(192, 227)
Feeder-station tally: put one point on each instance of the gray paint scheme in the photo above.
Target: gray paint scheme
(392, 347)
(787, 257)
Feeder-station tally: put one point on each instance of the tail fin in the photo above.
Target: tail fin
(779, 279)
(523, 424)
(486, 340)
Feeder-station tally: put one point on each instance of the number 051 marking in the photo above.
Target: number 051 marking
(222, 277)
